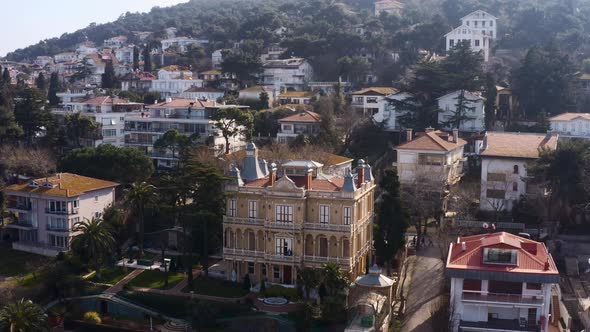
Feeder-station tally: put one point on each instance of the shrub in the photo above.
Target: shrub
(280, 291)
(263, 287)
(92, 317)
(247, 283)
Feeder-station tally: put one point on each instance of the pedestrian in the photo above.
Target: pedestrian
(430, 244)
(414, 241)
(423, 241)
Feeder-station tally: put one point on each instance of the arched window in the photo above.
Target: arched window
(515, 169)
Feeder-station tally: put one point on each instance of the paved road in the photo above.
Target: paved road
(423, 289)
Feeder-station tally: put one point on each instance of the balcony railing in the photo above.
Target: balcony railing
(328, 227)
(283, 225)
(476, 296)
(62, 212)
(22, 224)
(501, 325)
(243, 221)
(57, 229)
(242, 252)
(282, 258)
(319, 259)
(20, 206)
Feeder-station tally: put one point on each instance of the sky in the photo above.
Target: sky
(26, 22)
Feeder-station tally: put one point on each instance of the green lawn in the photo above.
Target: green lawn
(217, 287)
(111, 275)
(13, 262)
(155, 279)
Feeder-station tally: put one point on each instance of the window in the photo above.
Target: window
(477, 42)
(499, 256)
(57, 206)
(57, 223)
(495, 193)
(483, 23)
(467, 23)
(371, 100)
(276, 272)
(287, 127)
(430, 159)
(515, 169)
(97, 215)
(76, 204)
(515, 186)
(284, 246)
(491, 33)
(58, 241)
(324, 214)
(491, 23)
(451, 42)
(284, 213)
(472, 284)
(109, 132)
(533, 286)
(475, 23)
(263, 269)
(358, 99)
(252, 209)
(232, 208)
(347, 215)
(250, 267)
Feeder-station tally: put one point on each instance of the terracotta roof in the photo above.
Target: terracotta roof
(183, 103)
(297, 94)
(517, 145)
(570, 116)
(173, 68)
(384, 91)
(102, 100)
(328, 159)
(432, 141)
(292, 107)
(202, 89)
(138, 76)
(333, 184)
(65, 184)
(306, 116)
(533, 257)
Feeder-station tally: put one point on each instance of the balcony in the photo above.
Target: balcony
(38, 248)
(58, 229)
(243, 221)
(282, 258)
(328, 227)
(242, 253)
(20, 206)
(283, 225)
(319, 259)
(22, 224)
(63, 212)
(500, 325)
(478, 297)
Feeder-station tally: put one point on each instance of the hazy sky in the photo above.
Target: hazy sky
(25, 22)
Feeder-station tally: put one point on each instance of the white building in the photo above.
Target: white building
(500, 282)
(574, 125)
(115, 42)
(388, 116)
(182, 43)
(203, 93)
(477, 41)
(188, 116)
(253, 93)
(433, 157)
(84, 49)
(371, 101)
(482, 22)
(305, 123)
(174, 81)
(47, 209)
(108, 112)
(504, 157)
(293, 73)
(124, 54)
(391, 7)
(65, 57)
(217, 57)
(43, 60)
(297, 97)
(448, 106)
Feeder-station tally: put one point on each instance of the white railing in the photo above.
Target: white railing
(319, 259)
(329, 227)
(282, 258)
(478, 296)
(243, 252)
(243, 221)
(283, 225)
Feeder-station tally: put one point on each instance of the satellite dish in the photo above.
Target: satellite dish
(485, 225)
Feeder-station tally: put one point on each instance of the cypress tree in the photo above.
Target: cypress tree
(108, 78)
(40, 82)
(135, 58)
(54, 87)
(147, 60)
(6, 76)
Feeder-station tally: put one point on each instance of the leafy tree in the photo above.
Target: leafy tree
(9, 129)
(140, 196)
(54, 87)
(80, 126)
(40, 82)
(23, 316)
(244, 64)
(232, 122)
(266, 122)
(462, 69)
(147, 58)
(544, 82)
(327, 134)
(30, 113)
(116, 219)
(334, 279)
(135, 58)
(109, 80)
(123, 165)
(392, 220)
(93, 241)
(264, 99)
(174, 141)
(310, 278)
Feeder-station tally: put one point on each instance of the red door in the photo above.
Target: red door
(287, 272)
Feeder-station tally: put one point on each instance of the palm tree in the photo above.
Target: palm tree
(23, 316)
(139, 196)
(93, 241)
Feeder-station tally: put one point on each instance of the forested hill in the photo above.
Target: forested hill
(322, 23)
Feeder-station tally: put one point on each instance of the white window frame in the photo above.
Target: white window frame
(324, 214)
(284, 213)
(252, 209)
(347, 215)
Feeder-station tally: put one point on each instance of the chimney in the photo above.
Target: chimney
(463, 246)
(429, 129)
(308, 178)
(456, 135)
(168, 99)
(361, 172)
(408, 134)
(273, 174)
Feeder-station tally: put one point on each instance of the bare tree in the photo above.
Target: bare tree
(496, 191)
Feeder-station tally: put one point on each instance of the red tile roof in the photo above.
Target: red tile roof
(333, 184)
(383, 91)
(517, 145)
(570, 116)
(533, 257)
(183, 103)
(432, 141)
(102, 100)
(306, 116)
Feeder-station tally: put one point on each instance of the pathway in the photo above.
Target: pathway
(119, 286)
(423, 289)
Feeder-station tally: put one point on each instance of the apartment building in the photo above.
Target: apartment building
(306, 123)
(371, 101)
(479, 29)
(500, 282)
(109, 112)
(504, 157)
(292, 73)
(303, 217)
(46, 210)
(191, 117)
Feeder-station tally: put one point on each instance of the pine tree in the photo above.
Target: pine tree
(54, 87)
(109, 80)
(6, 76)
(135, 58)
(9, 129)
(490, 93)
(147, 59)
(460, 114)
(30, 113)
(40, 82)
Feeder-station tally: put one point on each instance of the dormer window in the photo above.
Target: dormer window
(499, 256)
(33, 184)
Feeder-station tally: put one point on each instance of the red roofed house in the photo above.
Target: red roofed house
(433, 157)
(504, 157)
(500, 282)
(280, 220)
(46, 210)
(306, 123)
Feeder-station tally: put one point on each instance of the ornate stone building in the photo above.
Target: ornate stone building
(302, 218)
